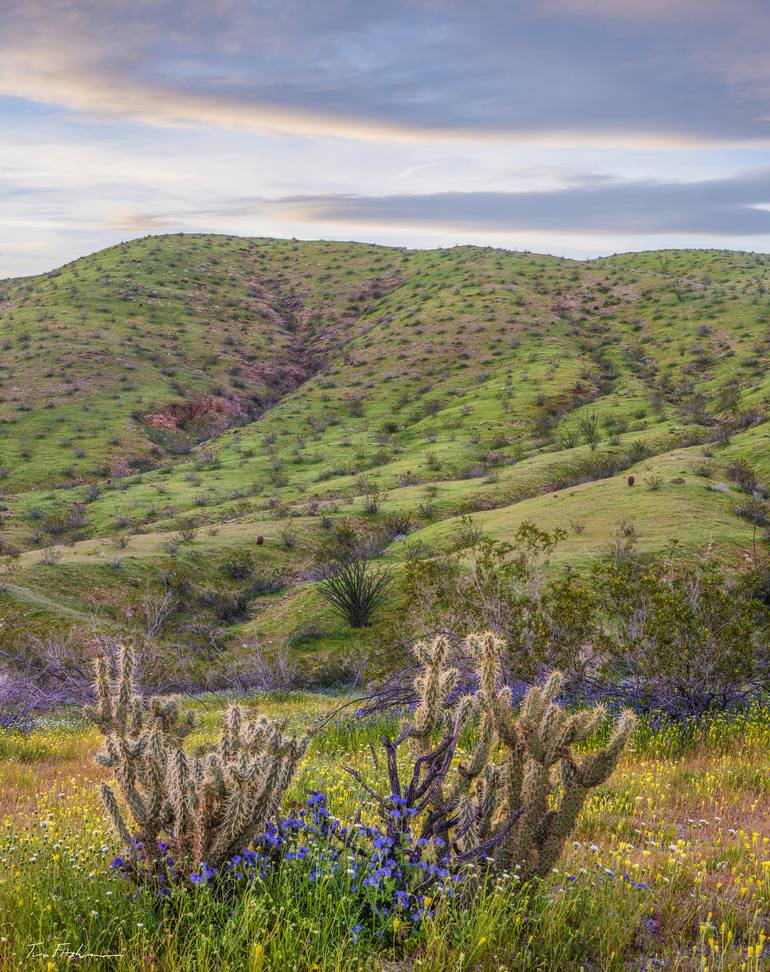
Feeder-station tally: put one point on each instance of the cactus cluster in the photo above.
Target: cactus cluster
(199, 809)
(516, 797)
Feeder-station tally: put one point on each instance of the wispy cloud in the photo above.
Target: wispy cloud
(715, 207)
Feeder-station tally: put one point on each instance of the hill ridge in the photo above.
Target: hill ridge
(381, 388)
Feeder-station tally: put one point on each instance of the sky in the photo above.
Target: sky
(575, 127)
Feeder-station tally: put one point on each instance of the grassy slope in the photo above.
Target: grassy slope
(424, 372)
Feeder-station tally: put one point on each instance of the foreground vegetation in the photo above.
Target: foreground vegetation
(669, 867)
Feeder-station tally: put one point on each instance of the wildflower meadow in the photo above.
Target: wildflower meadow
(668, 867)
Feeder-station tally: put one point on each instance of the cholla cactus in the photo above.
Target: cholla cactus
(517, 796)
(540, 775)
(206, 807)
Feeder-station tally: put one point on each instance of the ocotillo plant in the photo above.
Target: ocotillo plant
(205, 808)
(516, 798)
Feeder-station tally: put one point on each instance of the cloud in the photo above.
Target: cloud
(730, 207)
(578, 71)
(647, 10)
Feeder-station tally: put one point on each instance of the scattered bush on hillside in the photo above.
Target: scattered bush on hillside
(10, 564)
(542, 617)
(753, 510)
(50, 556)
(227, 606)
(679, 635)
(742, 473)
(373, 494)
(357, 590)
(238, 563)
(187, 532)
(289, 536)
(588, 426)
(398, 523)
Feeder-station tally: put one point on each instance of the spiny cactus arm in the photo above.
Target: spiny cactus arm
(100, 713)
(487, 788)
(537, 700)
(165, 715)
(520, 847)
(263, 808)
(431, 769)
(486, 847)
(117, 708)
(111, 756)
(588, 722)
(155, 769)
(479, 758)
(556, 828)
(124, 711)
(577, 779)
(512, 781)
(290, 756)
(178, 793)
(141, 792)
(227, 835)
(596, 767)
(112, 808)
(211, 795)
(433, 685)
(473, 818)
(244, 811)
(487, 650)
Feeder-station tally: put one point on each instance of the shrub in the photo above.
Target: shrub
(50, 556)
(680, 637)
(543, 618)
(742, 473)
(266, 580)
(397, 523)
(588, 426)
(9, 567)
(753, 510)
(356, 590)
(372, 499)
(239, 563)
(202, 809)
(289, 536)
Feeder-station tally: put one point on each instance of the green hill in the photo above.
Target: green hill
(166, 401)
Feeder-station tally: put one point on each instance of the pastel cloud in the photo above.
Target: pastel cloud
(715, 207)
(568, 125)
(571, 68)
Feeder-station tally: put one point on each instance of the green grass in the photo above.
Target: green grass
(669, 868)
(455, 380)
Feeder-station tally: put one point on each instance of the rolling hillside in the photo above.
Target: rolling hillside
(166, 401)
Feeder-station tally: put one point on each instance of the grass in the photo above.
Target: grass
(453, 380)
(669, 868)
